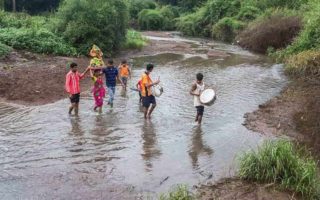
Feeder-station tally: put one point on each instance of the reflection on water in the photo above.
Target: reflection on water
(46, 154)
(197, 147)
(150, 147)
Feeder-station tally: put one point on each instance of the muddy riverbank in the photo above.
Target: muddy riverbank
(295, 113)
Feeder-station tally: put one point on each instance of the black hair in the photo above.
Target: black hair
(72, 65)
(199, 76)
(123, 61)
(110, 62)
(150, 67)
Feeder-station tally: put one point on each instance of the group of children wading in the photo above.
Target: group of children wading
(122, 73)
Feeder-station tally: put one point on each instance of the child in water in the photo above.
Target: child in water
(98, 90)
(124, 72)
(197, 88)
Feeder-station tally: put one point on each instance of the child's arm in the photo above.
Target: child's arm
(129, 72)
(193, 88)
(85, 71)
(91, 74)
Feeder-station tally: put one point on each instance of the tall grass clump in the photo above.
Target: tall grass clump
(134, 40)
(282, 163)
(306, 63)
(4, 50)
(180, 192)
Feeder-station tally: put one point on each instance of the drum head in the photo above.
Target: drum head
(157, 90)
(207, 96)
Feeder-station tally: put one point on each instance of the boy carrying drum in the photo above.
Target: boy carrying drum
(197, 88)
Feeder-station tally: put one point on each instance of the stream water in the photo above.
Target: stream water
(47, 154)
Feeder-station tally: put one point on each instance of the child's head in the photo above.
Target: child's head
(110, 62)
(149, 67)
(199, 77)
(123, 62)
(74, 67)
(97, 73)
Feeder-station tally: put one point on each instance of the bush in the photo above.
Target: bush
(84, 23)
(179, 193)
(21, 20)
(276, 31)
(193, 25)
(200, 23)
(217, 9)
(150, 20)
(169, 13)
(248, 13)
(226, 29)
(4, 50)
(134, 40)
(36, 40)
(280, 162)
(306, 63)
(309, 38)
(136, 6)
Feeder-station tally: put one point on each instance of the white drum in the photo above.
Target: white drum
(157, 90)
(207, 97)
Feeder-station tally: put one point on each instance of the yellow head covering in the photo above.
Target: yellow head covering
(95, 51)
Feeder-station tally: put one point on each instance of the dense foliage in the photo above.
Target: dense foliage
(22, 31)
(83, 23)
(281, 162)
(158, 19)
(4, 50)
(226, 29)
(136, 6)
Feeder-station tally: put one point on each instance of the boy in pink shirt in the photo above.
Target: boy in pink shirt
(73, 86)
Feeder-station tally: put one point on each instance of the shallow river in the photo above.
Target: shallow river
(46, 154)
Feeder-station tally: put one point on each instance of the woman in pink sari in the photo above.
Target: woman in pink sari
(98, 90)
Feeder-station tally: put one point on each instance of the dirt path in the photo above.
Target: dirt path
(33, 79)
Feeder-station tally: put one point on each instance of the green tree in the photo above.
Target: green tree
(84, 23)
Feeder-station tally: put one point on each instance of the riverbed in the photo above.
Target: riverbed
(47, 154)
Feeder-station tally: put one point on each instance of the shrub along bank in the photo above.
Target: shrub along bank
(71, 30)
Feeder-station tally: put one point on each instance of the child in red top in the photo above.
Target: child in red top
(98, 90)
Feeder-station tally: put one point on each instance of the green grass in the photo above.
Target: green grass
(282, 163)
(4, 50)
(306, 63)
(180, 192)
(134, 40)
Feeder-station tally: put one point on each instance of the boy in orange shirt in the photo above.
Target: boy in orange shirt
(125, 73)
(146, 92)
